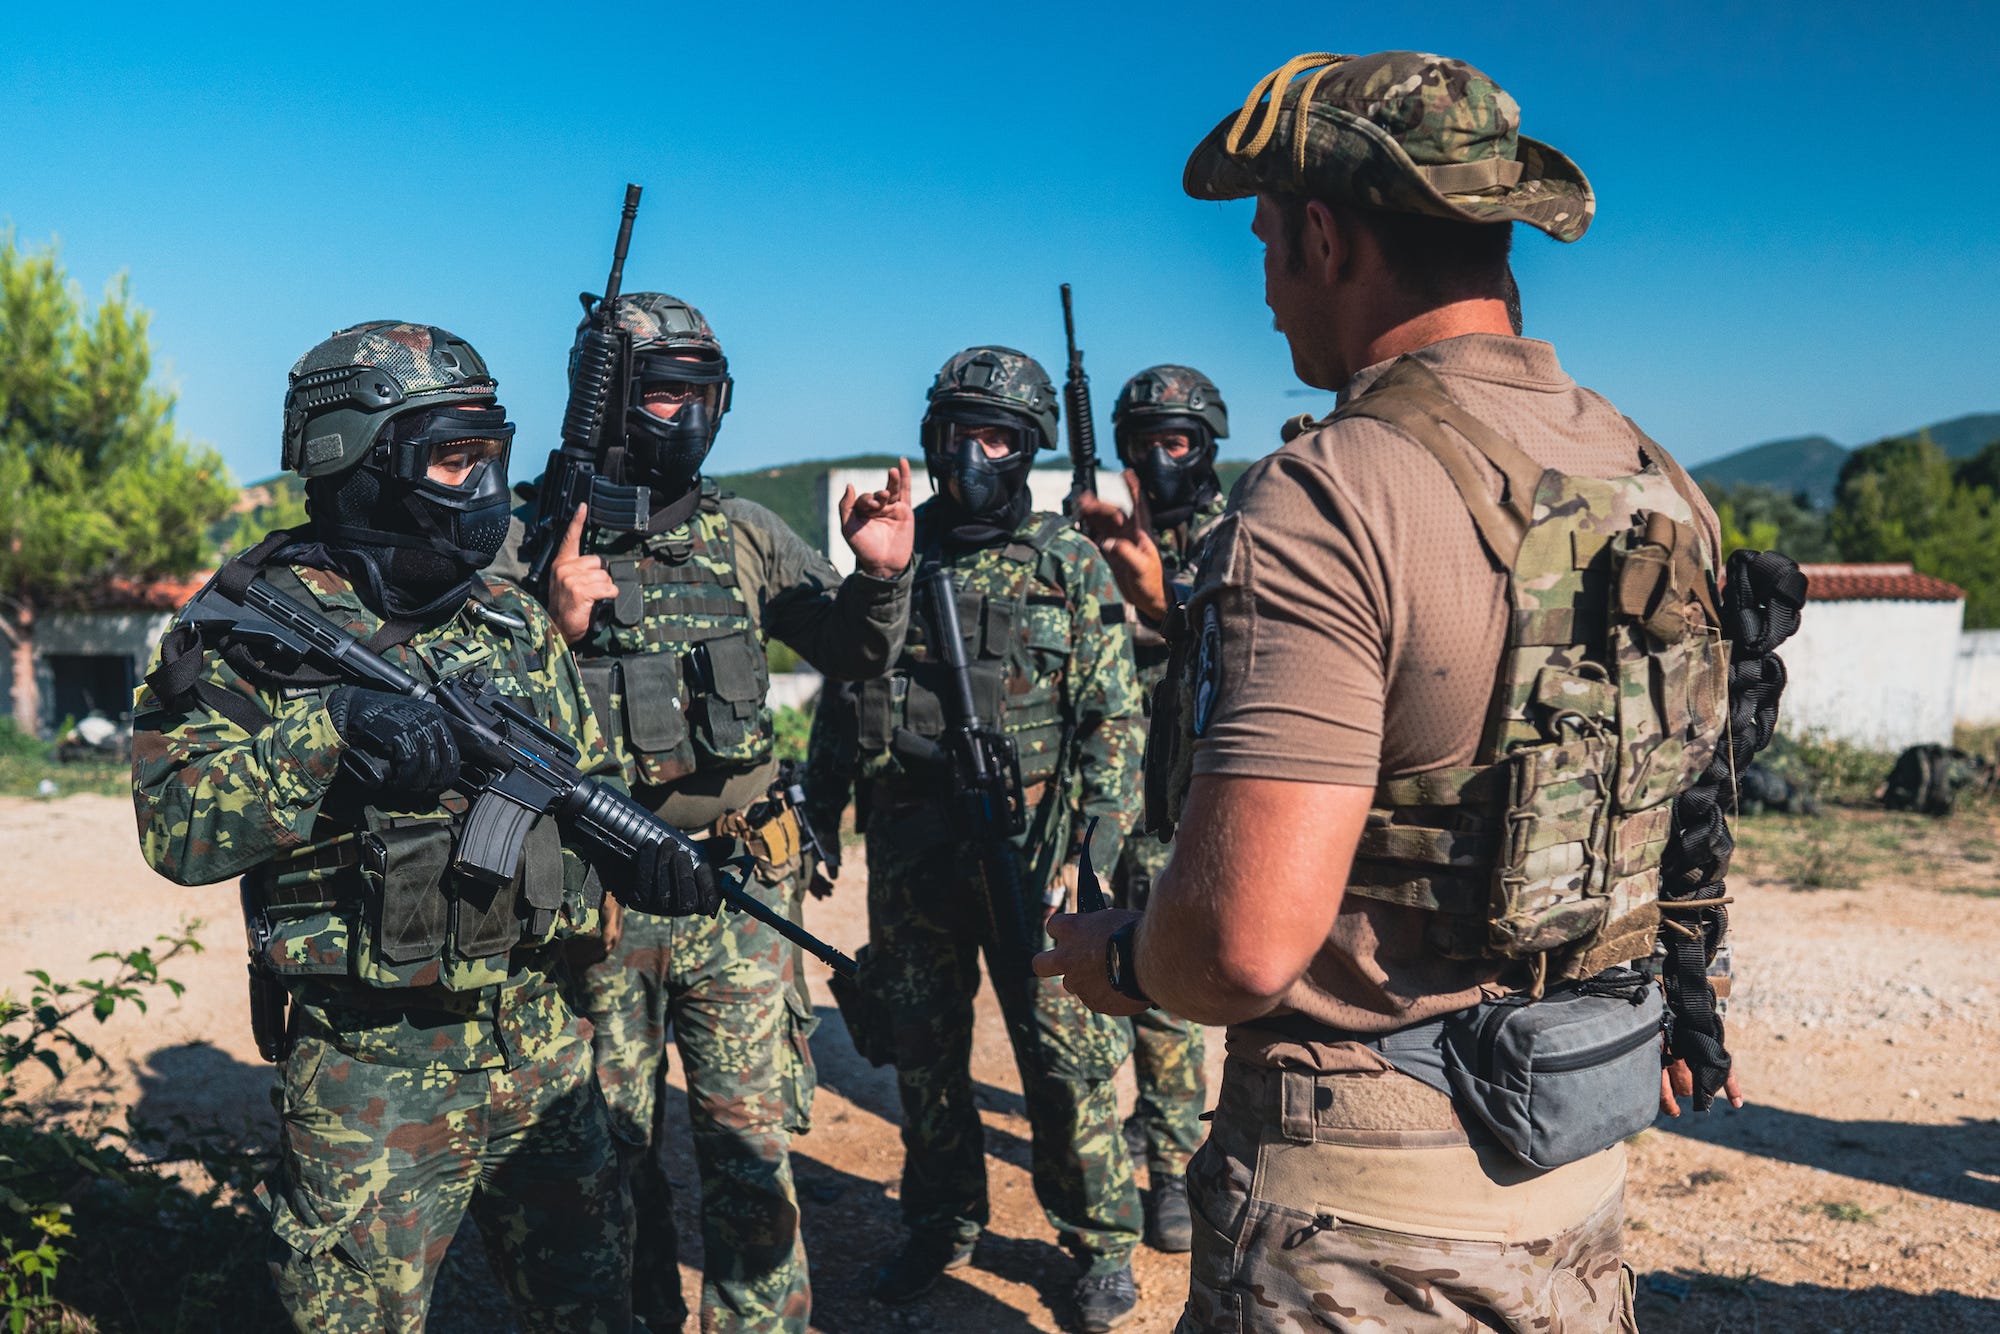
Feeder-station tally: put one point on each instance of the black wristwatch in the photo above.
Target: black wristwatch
(1121, 962)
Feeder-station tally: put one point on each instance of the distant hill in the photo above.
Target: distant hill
(1962, 437)
(1811, 463)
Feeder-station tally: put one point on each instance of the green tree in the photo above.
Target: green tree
(1764, 518)
(1902, 500)
(97, 484)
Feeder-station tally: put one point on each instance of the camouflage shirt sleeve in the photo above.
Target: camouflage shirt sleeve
(1101, 699)
(214, 800)
(565, 703)
(848, 628)
(830, 760)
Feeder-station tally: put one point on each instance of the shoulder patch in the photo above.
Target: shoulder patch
(1207, 669)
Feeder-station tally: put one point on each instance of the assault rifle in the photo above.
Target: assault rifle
(515, 770)
(986, 781)
(593, 422)
(1082, 426)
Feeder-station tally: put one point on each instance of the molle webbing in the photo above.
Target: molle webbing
(1549, 848)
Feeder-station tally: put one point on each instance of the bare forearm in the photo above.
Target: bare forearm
(1255, 882)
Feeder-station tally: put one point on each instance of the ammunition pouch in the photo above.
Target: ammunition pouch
(769, 832)
(384, 907)
(678, 675)
(868, 1020)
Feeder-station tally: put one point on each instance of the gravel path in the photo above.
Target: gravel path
(1859, 1191)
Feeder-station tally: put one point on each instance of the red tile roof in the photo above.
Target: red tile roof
(159, 595)
(1894, 581)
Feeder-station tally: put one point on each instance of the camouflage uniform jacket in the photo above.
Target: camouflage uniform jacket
(676, 665)
(1180, 563)
(214, 800)
(1043, 605)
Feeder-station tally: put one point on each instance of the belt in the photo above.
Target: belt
(1417, 1050)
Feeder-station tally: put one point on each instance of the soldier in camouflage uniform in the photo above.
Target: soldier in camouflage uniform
(1166, 422)
(1045, 633)
(434, 1068)
(669, 626)
(1451, 659)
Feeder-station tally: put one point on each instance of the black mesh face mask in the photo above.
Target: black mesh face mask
(672, 416)
(956, 438)
(1173, 486)
(425, 511)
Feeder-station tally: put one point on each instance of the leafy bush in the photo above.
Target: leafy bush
(94, 1234)
(1832, 770)
(793, 727)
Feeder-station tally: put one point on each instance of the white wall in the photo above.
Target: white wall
(1979, 678)
(1048, 486)
(1878, 674)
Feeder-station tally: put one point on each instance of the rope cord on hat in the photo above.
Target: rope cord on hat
(1321, 63)
(1761, 602)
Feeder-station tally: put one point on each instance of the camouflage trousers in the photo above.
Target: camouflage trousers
(725, 987)
(1356, 1202)
(1168, 1054)
(924, 969)
(379, 1164)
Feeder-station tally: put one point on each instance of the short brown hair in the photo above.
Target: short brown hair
(1436, 260)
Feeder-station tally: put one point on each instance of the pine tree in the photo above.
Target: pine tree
(96, 482)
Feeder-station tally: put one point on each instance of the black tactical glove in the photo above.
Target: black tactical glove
(400, 747)
(668, 882)
(824, 873)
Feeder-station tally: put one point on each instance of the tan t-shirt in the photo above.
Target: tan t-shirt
(1362, 625)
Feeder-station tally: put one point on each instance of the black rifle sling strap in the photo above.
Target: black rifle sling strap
(179, 682)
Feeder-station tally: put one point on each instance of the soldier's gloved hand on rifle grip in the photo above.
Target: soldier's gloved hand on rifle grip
(405, 747)
(668, 882)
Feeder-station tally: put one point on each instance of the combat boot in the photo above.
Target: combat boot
(919, 1265)
(1169, 1225)
(1105, 1301)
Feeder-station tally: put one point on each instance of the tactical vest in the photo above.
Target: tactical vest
(677, 673)
(373, 897)
(1610, 700)
(1179, 550)
(1017, 641)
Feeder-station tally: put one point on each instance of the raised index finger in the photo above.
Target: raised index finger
(572, 543)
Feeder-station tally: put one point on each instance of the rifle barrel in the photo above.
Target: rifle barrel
(617, 278)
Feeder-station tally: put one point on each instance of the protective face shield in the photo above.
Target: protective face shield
(979, 456)
(673, 412)
(427, 508)
(1172, 478)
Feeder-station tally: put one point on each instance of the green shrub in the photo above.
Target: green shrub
(97, 1233)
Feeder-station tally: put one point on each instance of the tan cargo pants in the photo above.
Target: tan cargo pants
(1355, 1202)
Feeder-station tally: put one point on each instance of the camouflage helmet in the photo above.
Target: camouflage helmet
(998, 377)
(658, 322)
(1169, 391)
(1398, 131)
(343, 391)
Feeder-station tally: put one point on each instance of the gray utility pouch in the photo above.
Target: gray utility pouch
(1566, 1076)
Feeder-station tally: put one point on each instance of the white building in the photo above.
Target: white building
(1978, 685)
(1876, 660)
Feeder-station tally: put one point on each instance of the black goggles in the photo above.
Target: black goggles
(458, 439)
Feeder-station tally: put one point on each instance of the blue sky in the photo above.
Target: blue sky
(1795, 225)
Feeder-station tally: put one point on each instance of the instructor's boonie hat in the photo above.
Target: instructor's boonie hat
(1399, 131)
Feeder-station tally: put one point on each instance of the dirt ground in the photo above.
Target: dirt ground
(1859, 1190)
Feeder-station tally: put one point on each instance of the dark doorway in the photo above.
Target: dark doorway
(91, 682)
